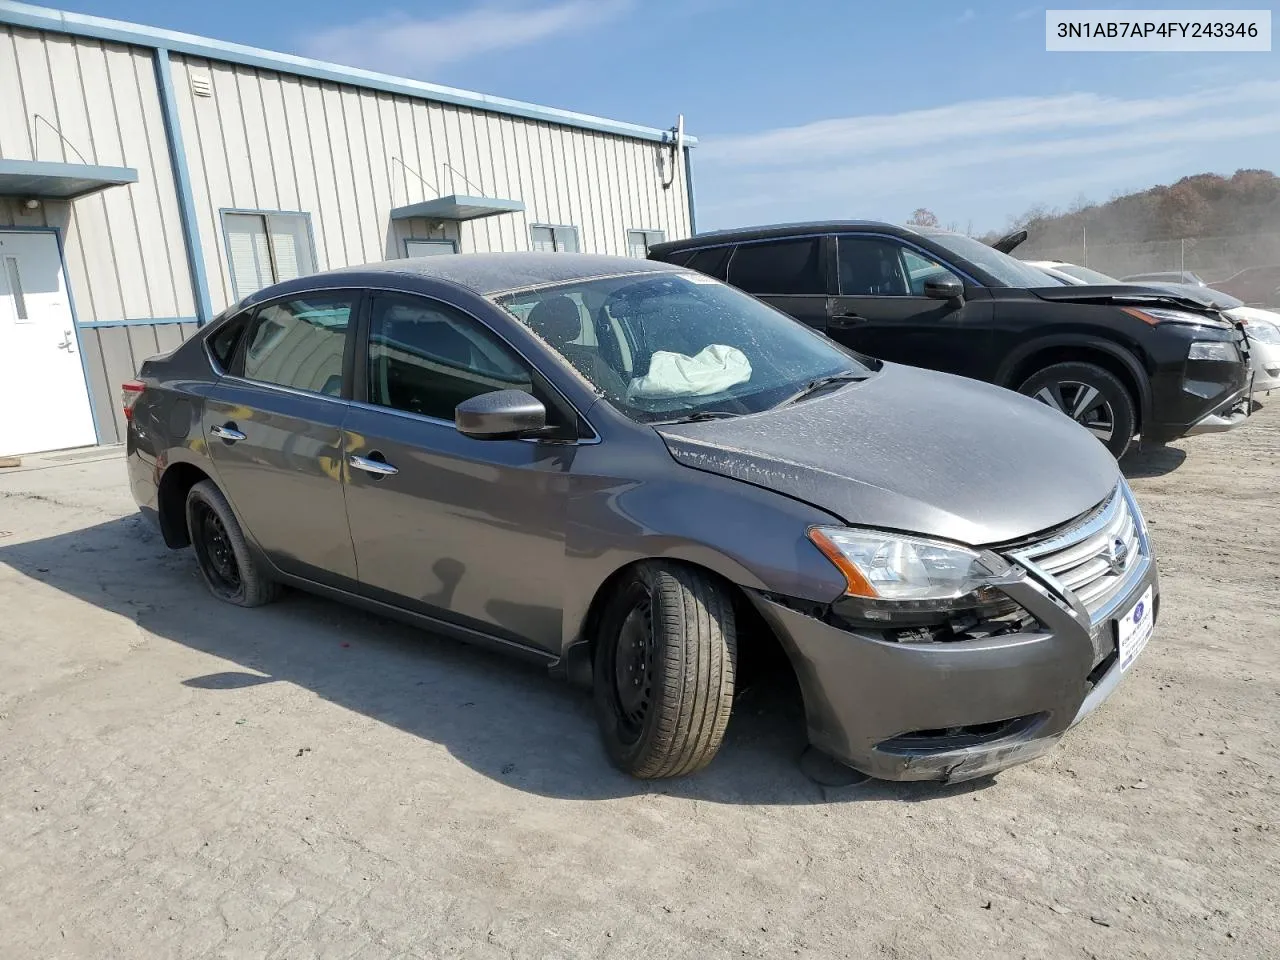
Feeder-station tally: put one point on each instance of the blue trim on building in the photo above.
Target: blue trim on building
(60, 21)
(139, 322)
(182, 182)
(688, 181)
(75, 321)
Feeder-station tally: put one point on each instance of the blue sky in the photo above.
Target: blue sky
(813, 108)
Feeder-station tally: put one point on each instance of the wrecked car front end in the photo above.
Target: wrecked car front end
(964, 696)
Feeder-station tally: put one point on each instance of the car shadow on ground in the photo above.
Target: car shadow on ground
(503, 718)
(1151, 460)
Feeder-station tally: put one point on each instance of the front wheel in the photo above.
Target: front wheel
(664, 670)
(1092, 397)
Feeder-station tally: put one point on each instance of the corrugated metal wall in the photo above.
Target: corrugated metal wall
(275, 141)
(347, 156)
(77, 100)
(72, 100)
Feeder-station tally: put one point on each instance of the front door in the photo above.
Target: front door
(274, 430)
(468, 530)
(40, 367)
(881, 309)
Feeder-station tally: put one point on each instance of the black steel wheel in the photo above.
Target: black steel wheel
(1092, 397)
(663, 670)
(228, 567)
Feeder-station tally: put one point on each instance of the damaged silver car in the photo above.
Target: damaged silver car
(633, 473)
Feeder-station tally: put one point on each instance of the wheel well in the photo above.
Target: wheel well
(1072, 353)
(171, 501)
(760, 652)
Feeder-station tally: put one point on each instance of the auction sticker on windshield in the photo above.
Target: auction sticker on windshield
(1135, 628)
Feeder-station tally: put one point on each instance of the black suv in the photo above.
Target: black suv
(1120, 360)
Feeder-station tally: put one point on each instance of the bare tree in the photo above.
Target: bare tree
(923, 217)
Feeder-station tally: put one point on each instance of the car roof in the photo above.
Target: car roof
(490, 273)
(739, 234)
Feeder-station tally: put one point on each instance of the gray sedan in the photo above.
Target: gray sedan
(640, 477)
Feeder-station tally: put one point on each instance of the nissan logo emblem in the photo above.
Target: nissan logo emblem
(1118, 555)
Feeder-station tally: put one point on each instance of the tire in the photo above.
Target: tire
(228, 568)
(664, 669)
(1093, 397)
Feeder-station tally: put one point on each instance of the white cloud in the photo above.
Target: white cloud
(981, 159)
(876, 133)
(404, 44)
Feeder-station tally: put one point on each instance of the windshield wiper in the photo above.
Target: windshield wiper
(813, 386)
(699, 416)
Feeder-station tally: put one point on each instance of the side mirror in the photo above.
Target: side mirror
(944, 288)
(500, 415)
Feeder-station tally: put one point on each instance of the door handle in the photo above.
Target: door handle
(845, 321)
(66, 342)
(227, 432)
(379, 468)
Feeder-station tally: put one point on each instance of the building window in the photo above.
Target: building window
(547, 239)
(428, 248)
(639, 242)
(266, 248)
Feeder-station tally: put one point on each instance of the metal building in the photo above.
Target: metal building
(148, 179)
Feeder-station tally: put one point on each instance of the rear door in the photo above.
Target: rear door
(274, 429)
(881, 309)
(788, 273)
(469, 530)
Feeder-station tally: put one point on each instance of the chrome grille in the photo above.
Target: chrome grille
(1095, 559)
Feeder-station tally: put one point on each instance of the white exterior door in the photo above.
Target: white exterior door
(44, 403)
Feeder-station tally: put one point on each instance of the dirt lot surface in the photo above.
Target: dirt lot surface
(179, 778)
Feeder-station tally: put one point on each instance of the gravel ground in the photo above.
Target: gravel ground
(179, 778)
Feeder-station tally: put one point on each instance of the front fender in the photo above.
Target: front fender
(1085, 343)
(749, 536)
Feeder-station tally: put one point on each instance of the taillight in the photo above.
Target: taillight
(130, 391)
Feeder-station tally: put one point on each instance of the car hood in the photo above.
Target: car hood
(1198, 299)
(916, 451)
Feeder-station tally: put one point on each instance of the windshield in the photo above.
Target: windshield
(1008, 271)
(673, 345)
(1085, 274)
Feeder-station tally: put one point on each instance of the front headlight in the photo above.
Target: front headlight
(1214, 350)
(1262, 331)
(888, 566)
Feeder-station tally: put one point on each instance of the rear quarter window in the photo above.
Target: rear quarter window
(223, 341)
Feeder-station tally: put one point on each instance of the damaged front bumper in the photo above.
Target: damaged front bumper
(957, 710)
(1227, 416)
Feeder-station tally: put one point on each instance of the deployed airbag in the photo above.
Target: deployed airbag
(713, 369)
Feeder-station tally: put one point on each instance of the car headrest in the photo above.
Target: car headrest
(556, 320)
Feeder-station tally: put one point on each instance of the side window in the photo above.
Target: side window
(711, 261)
(299, 342)
(224, 340)
(920, 268)
(880, 267)
(779, 267)
(425, 357)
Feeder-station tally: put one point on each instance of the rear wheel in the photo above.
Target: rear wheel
(1092, 397)
(228, 568)
(664, 670)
